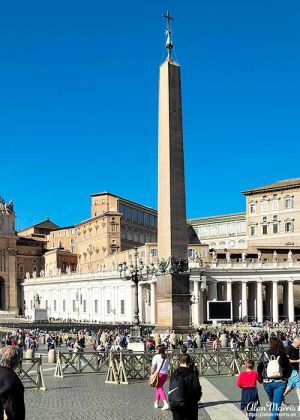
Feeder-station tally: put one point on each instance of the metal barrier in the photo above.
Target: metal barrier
(124, 366)
(80, 362)
(30, 370)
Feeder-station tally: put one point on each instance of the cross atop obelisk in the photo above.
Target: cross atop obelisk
(168, 32)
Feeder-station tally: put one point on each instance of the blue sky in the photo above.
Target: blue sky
(78, 101)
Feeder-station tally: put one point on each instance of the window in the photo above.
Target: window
(152, 221)
(190, 252)
(252, 207)
(289, 226)
(153, 252)
(73, 306)
(96, 306)
(84, 305)
(202, 252)
(288, 203)
(275, 204)
(54, 305)
(34, 268)
(252, 230)
(275, 228)
(72, 240)
(264, 219)
(275, 218)
(222, 244)
(122, 307)
(212, 245)
(21, 268)
(264, 229)
(264, 206)
(113, 227)
(108, 307)
(64, 305)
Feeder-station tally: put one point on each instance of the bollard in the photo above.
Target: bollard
(51, 356)
(223, 340)
(29, 354)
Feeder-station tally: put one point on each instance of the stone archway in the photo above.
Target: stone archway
(2, 294)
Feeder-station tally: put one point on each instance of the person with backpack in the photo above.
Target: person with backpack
(184, 390)
(274, 368)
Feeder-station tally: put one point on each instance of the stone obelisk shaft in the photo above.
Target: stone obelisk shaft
(172, 230)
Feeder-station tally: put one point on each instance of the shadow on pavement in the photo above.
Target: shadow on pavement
(213, 403)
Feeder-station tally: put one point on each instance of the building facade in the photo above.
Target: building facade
(258, 292)
(273, 214)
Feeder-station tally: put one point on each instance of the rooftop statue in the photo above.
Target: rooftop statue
(6, 208)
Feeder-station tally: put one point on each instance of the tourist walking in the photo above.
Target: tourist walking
(294, 357)
(160, 365)
(185, 390)
(247, 382)
(275, 369)
(11, 387)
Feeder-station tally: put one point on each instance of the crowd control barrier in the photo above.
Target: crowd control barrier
(30, 372)
(123, 366)
(87, 362)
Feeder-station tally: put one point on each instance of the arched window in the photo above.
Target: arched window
(241, 242)
(212, 245)
(223, 244)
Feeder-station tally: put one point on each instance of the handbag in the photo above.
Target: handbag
(153, 379)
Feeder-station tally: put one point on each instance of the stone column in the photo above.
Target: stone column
(259, 302)
(291, 309)
(229, 290)
(202, 306)
(141, 302)
(153, 302)
(11, 298)
(212, 290)
(196, 317)
(275, 314)
(244, 301)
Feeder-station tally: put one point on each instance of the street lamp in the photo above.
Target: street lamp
(136, 272)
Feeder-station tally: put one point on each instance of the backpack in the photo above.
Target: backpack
(274, 370)
(176, 390)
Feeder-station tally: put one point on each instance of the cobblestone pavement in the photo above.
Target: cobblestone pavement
(87, 396)
(227, 386)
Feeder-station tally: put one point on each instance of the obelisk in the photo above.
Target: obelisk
(173, 297)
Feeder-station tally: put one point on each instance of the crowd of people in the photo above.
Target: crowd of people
(277, 369)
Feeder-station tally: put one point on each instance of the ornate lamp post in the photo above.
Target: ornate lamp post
(135, 272)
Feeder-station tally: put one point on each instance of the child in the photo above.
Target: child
(247, 381)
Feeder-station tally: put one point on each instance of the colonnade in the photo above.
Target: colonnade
(251, 299)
